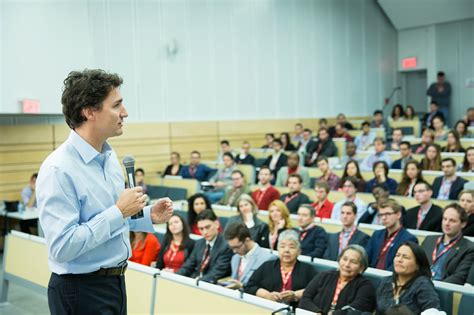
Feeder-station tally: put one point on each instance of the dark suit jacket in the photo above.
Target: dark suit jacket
(169, 168)
(282, 161)
(259, 232)
(249, 159)
(432, 221)
(218, 266)
(456, 188)
(314, 243)
(296, 202)
(359, 293)
(397, 164)
(469, 229)
(328, 149)
(332, 251)
(188, 248)
(458, 262)
(415, 147)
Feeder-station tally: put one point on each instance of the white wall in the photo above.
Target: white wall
(240, 59)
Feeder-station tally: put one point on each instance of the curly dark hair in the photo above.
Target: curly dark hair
(86, 89)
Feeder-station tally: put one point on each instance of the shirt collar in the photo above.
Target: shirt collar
(251, 252)
(85, 150)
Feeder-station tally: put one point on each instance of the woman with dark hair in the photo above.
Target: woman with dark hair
(380, 170)
(410, 283)
(439, 126)
(197, 203)
(461, 128)
(352, 169)
(410, 113)
(397, 113)
(453, 143)
(176, 245)
(411, 176)
(432, 159)
(468, 163)
(286, 142)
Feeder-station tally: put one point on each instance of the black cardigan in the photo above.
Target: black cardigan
(188, 248)
(358, 294)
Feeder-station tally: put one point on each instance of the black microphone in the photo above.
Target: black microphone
(129, 164)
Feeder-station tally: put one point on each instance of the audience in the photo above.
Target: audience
(426, 216)
(238, 188)
(427, 138)
(381, 170)
(334, 291)
(432, 159)
(338, 242)
(210, 258)
(352, 170)
(341, 132)
(349, 187)
(381, 195)
(448, 186)
(269, 138)
(323, 146)
(140, 179)
(351, 154)
(145, 248)
(278, 159)
(340, 119)
(379, 155)
(383, 244)
(466, 200)
(278, 221)
(293, 167)
(197, 203)
(286, 142)
(322, 206)
(195, 169)
(225, 148)
(450, 255)
(177, 245)
(394, 144)
(327, 175)
(410, 113)
(245, 157)
(405, 153)
(440, 92)
(294, 198)
(410, 177)
(221, 179)
(312, 237)
(470, 117)
(266, 193)
(248, 255)
(174, 169)
(298, 136)
(453, 143)
(379, 121)
(410, 283)
(468, 162)
(28, 195)
(305, 142)
(434, 111)
(248, 212)
(440, 131)
(461, 128)
(283, 279)
(397, 113)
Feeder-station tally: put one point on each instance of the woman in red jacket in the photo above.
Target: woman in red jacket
(145, 248)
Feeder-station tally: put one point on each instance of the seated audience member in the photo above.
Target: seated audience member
(278, 221)
(305, 142)
(28, 195)
(334, 291)
(294, 198)
(298, 136)
(405, 153)
(379, 155)
(286, 142)
(341, 132)
(470, 117)
(380, 170)
(278, 159)
(468, 162)
(410, 113)
(349, 187)
(285, 278)
(210, 258)
(140, 179)
(383, 244)
(394, 144)
(313, 238)
(450, 255)
(221, 179)
(327, 175)
(381, 195)
(145, 248)
(365, 140)
(269, 138)
(265, 193)
(340, 119)
(195, 169)
(293, 167)
(177, 245)
(397, 113)
(461, 128)
(427, 138)
(351, 155)
(174, 169)
(248, 255)
(379, 121)
(432, 159)
(440, 131)
(448, 186)
(245, 157)
(427, 216)
(410, 177)
(225, 148)
(248, 212)
(410, 284)
(197, 203)
(322, 146)
(323, 123)
(322, 206)
(470, 277)
(337, 242)
(352, 170)
(466, 200)
(453, 143)
(238, 188)
(427, 120)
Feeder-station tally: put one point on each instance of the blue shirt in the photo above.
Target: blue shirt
(76, 189)
(26, 194)
(370, 160)
(201, 172)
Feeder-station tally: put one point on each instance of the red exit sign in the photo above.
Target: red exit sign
(30, 106)
(409, 63)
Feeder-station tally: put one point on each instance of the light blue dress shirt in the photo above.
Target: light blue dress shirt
(76, 189)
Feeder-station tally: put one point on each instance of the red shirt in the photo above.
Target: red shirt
(325, 211)
(145, 254)
(173, 259)
(264, 198)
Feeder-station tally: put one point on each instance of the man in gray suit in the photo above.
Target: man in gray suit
(248, 254)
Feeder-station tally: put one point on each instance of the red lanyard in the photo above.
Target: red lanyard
(389, 242)
(341, 247)
(205, 260)
(240, 271)
(288, 199)
(419, 220)
(339, 288)
(172, 252)
(435, 255)
(285, 276)
(305, 231)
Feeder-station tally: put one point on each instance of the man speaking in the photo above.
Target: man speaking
(85, 211)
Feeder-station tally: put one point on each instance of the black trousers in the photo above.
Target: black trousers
(87, 294)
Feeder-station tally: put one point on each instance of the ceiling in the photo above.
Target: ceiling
(414, 13)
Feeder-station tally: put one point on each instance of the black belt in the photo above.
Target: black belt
(114, 271)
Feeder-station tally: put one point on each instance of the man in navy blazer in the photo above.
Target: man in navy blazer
(448, 186)
(384, 244)
(405, 153)
(427, 216)
(195, 169)
(313, 238)
(349, 234)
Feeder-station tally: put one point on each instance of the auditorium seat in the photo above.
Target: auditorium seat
(466, 305)
(223, 221)
(446, 300)
(174, 193)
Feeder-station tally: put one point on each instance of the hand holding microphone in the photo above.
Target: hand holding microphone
(131, 201)
(140, 198)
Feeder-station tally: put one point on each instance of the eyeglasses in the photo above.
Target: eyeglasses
(237, 246)
(386, 214)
